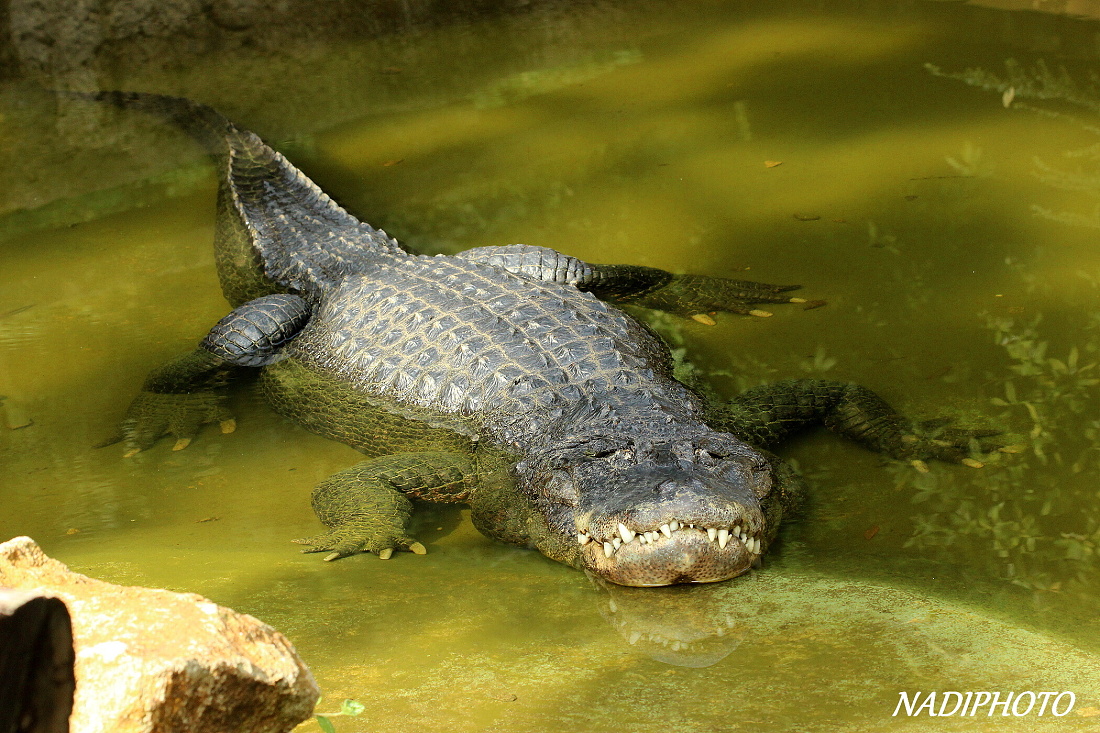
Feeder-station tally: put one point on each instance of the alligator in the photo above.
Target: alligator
(509, 378)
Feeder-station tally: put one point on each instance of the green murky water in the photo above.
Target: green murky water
(950, 227)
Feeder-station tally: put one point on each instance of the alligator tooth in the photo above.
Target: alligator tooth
(712, 533)
(756, 545)
(634, 638)
(582, 538)
(723, 538)
(743, 537)
(736, 531)
(627, 534)
(692, 526)
(666, 530)
(654, 536)
(607, 549)
(674, 526)
(615, 542)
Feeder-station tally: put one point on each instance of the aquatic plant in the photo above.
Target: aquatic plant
(348, 708)
(1034, 519)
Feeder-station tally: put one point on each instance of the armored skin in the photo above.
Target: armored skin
(504, 377)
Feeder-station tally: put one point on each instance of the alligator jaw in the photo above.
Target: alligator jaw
(672, 553)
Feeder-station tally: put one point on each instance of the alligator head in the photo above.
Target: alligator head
(645, 512)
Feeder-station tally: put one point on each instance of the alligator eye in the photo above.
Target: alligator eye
(601, 453)
(706, 457)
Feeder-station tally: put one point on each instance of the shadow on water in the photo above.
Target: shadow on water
(642, 133)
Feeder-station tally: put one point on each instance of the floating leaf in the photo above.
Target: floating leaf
(326, 724)
(772, 163)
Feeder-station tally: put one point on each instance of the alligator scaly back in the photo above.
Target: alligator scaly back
(276, 231)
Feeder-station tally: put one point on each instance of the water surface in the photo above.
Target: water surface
(951, 227)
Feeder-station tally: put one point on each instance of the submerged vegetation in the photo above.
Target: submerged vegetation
(1034, 519)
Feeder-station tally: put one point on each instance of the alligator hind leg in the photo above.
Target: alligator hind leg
(367, 508)
(190, 391)
(177, 399)
(766, 415)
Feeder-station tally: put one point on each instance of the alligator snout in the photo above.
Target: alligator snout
(673, 527)
(687, 554)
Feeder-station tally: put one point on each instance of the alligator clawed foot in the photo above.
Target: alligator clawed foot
(953, 445)
(153, 415)
(415, 548)
(344, 542)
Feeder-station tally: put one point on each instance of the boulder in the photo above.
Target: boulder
(152, 660)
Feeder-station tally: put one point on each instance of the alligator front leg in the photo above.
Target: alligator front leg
(693, 296)
(367, 508)
(764, 416)
(190, 391)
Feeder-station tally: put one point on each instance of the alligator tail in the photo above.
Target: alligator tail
(276, 230)
(205, 124)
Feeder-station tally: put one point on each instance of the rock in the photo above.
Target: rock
(36, 663)
(156, 661)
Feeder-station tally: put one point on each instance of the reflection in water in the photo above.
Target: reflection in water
(686, 626)
(1051, 86)
(618, 133)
